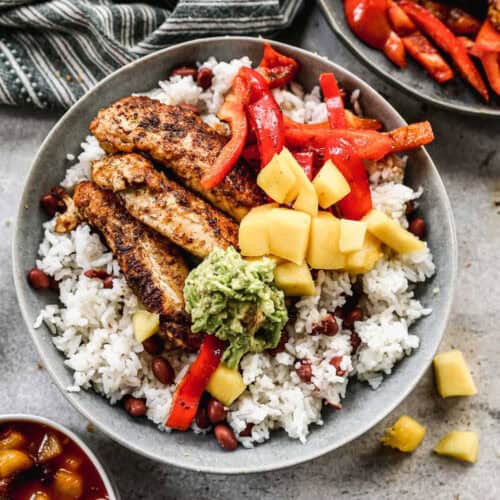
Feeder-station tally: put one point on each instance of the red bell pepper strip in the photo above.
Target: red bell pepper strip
(306, 160)
(232, 111)
(400, 21)
(368, 20)
(428, 56)
(410, 136)
(368, 144)
(277, 69)
(333, 100)
(468, 43)
(190, 389)
(491, 65)
(447, 41)
(359, 201)
(487, 40)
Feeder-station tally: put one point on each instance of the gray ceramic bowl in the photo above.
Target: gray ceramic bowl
(108, 481)
(455, 95)
(364, 407)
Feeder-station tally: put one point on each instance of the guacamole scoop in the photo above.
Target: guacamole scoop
(237, 301)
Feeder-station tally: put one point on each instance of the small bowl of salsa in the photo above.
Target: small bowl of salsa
(42, 460)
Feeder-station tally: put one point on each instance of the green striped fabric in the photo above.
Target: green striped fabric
(52, 52)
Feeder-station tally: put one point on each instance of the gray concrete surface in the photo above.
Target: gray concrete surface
(467, 152)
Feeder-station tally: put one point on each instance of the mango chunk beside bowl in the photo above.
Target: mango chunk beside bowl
(405, 435)
(453, 377)
(460, 445)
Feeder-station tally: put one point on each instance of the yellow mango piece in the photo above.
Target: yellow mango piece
(330, 185)
(289, 234)
(460, 445)
(364, 260)
(352, 235)
(253, 232)
(277, 180)
(391, 233)
(405, 435)
(226, 385)
(453, 376)
(323, 251)
(145, 324)
(294, 279)
(307, 198)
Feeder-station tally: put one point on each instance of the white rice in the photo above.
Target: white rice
(92, 325)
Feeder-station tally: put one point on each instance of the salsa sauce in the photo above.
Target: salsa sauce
(43, 480)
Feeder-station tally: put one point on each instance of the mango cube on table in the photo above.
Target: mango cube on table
(352, 235)
(330, 185)
(405, 435)
(323, 251)
(391, 233)
(253, 237)
(453, 376)
(277, 180)
(460, 445)
(294, 279)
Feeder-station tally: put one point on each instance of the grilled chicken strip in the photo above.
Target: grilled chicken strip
(153, 267)
(180, 140)
(164, 205)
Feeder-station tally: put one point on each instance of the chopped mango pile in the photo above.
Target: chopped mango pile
(311, 238)
(460, 445)
(405, 435)
(453, 376)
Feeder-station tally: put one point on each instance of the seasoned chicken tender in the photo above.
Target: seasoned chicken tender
(164, 205)
(153, 267)
(180, 140)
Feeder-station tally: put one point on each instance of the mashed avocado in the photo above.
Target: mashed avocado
(237, 301)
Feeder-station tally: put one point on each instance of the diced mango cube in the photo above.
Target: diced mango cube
(330, 185)
(352, 235)
(226, 385)
(323, 251)
(307, 199)
(253, 233)
(294, 279)
(277, 180)
(364, 260)
(145, 324)
(391, 233)
(460, 445)
(289, 234)
(453, 376)
(405, 435)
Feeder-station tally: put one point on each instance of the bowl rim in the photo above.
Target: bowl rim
(111, 489)
(179, 460)
(483, 112)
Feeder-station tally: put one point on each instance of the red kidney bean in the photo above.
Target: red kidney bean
(107, 282)
(49, 203)
(190, 107)
(281, 344)
(216, 411)
(163, 370)
(154, 345)
(185, 71)
(96, 273)
(304, 370)
(355, 342)
(417, 227)
(247, 431)
(201, 419)
(339, 312)
(351, 317)
(327, 326)
(134, 406)
(225, 437)
(204, 78)
(38, 279)
(335, 361)
(410, 207)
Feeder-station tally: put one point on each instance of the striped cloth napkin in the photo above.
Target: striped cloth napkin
(52, 52)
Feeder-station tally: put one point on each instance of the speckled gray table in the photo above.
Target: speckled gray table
(467, 152)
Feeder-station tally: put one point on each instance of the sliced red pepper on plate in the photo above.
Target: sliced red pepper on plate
(233, 112)
(400, 21)
(419, 47)
(277, 69)
(491, 65)
(333, 100)
(190, 389)
(368, 144)
(487, 40)
(448, 42)
(468, 43)
(410, 136)
(306, 160)
(359, 201)
(394, 49)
